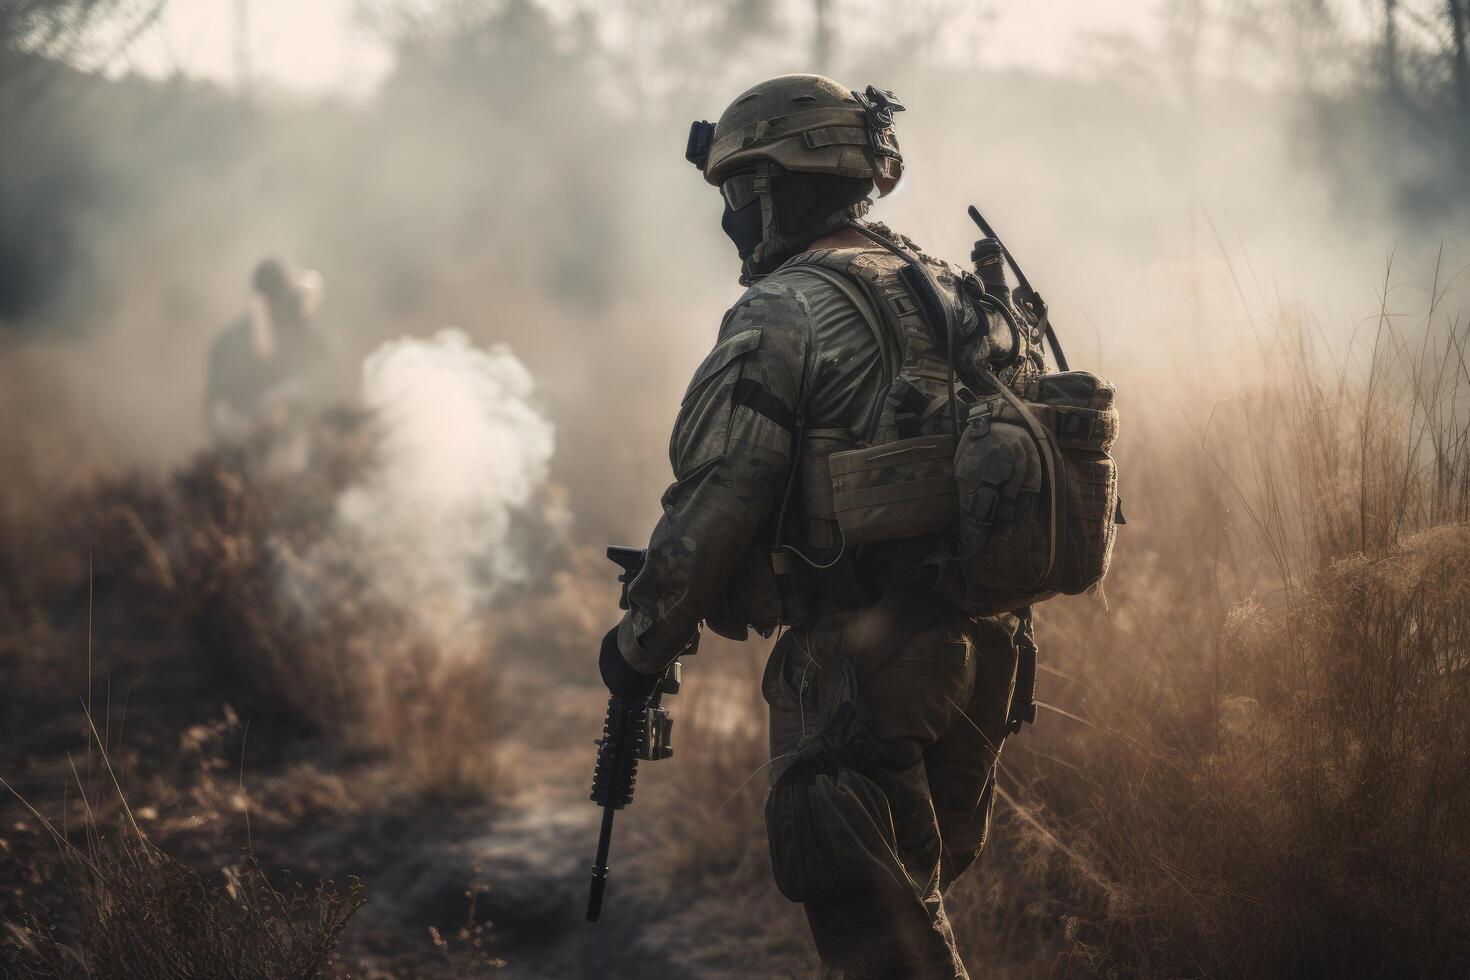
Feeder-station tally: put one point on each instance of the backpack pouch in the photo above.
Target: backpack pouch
(1004, 535)
(1089, 528)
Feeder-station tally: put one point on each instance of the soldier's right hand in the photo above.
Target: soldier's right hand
(621, 678)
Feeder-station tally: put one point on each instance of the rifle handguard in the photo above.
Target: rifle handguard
(624, 733)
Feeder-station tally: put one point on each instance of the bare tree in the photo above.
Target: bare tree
(1459, 12)
(1184, 22)
(1389, 53)
(822, 37)
(74, 29)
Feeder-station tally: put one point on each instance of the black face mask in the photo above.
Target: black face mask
(802, 201)
(743, 227)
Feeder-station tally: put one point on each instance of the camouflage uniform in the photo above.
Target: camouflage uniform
(888, 706)
(938, 704)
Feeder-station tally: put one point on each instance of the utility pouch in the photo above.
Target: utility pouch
(816, 485)
(893, 490)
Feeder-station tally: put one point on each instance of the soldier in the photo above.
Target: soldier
(259, 365)
(888, 705)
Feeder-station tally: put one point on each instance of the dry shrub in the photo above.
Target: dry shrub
(699, 853)
(435, 715)
(239, 534)
(710, 799)
(242, 559)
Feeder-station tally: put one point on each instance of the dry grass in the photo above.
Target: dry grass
(1254, 758)
(247, 566)
(115, 906)
(1257, 758)
(142, 914)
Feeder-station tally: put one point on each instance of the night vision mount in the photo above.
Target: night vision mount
(878, 107)
(701, 133)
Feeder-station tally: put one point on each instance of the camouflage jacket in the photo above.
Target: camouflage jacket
(792, 343)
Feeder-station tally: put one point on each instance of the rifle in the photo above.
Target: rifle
(633, 730)
(1025, 292)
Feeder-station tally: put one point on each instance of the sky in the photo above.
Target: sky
(319, 47)
(314, 47)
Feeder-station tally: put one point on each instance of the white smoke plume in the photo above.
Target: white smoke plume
(463, 451)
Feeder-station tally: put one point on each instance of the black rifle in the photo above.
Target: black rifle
(1025, 292)
(634, 730)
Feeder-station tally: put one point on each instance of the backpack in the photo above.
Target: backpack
(1010, 482)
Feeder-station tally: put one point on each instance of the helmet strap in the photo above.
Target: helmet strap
(771, 240)
(775, 247)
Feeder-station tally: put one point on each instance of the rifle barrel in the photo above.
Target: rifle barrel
(599, 867)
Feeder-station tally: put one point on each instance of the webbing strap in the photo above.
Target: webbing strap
(893, 493)
(1046, 446)
(754, 396)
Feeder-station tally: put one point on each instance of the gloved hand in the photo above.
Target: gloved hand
(619, 676)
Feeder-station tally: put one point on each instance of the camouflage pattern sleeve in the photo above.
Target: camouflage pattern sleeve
(730, 450)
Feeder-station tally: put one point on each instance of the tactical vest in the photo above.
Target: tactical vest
(1019, 506)
(854, 490)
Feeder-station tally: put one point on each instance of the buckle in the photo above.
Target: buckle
(980, 416)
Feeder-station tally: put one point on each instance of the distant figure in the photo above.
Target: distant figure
(261, 366)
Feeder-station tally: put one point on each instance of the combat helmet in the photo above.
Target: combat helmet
(803, 123)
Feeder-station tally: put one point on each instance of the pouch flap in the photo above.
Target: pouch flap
(1076, 389)
(733, 346)
(1011, 439)
(900, 453)
(816, 477)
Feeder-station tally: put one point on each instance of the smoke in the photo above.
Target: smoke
(463, 455)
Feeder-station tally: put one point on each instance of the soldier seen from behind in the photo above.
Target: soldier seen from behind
(874, 461)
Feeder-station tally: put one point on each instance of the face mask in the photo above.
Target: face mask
(802, 202)
(743, 227)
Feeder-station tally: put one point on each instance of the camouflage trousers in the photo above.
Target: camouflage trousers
(876, 808)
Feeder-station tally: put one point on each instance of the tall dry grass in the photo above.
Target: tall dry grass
(143, 914)
(1253, 758)
(1272, 777)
